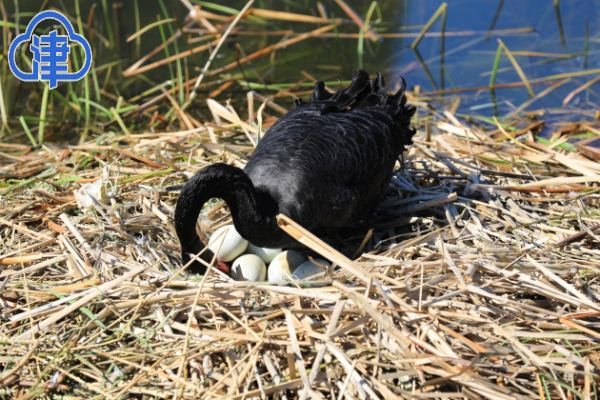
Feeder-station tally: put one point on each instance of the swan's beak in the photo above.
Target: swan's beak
(222, 266)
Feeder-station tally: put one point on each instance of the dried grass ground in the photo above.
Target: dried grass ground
(479, 278)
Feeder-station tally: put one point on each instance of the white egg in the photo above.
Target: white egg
(309, 269)
(249, 267)
(267, 255)
(233, 244)
(282, 266)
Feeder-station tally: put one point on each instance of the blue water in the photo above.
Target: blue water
(471, 65)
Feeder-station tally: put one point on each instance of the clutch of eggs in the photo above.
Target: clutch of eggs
(284, 266)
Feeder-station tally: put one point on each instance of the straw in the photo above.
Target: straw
(476, 276)
(444, 294)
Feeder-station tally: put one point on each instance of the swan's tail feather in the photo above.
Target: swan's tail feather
(401, 111)
(358, 89)
(376, 96)
(364, 93)
(319, 93)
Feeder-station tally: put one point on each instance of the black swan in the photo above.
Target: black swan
(325, 164)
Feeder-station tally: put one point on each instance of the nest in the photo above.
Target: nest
(478, 277)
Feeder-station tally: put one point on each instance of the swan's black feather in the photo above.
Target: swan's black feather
(325, 164)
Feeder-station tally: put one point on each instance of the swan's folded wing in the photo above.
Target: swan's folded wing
(326, 167)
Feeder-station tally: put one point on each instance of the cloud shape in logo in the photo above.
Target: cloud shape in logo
(24, 37)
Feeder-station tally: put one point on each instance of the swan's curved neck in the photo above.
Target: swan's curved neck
(253, 213)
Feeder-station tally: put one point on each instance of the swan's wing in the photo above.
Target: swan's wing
(326, 167)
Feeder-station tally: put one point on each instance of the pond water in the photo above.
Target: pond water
(546, 39)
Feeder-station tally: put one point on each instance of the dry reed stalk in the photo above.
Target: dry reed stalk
(479, 276)
(374, 36)
(308, 239)
(138, 69)
(499, 32)
(287, 16)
